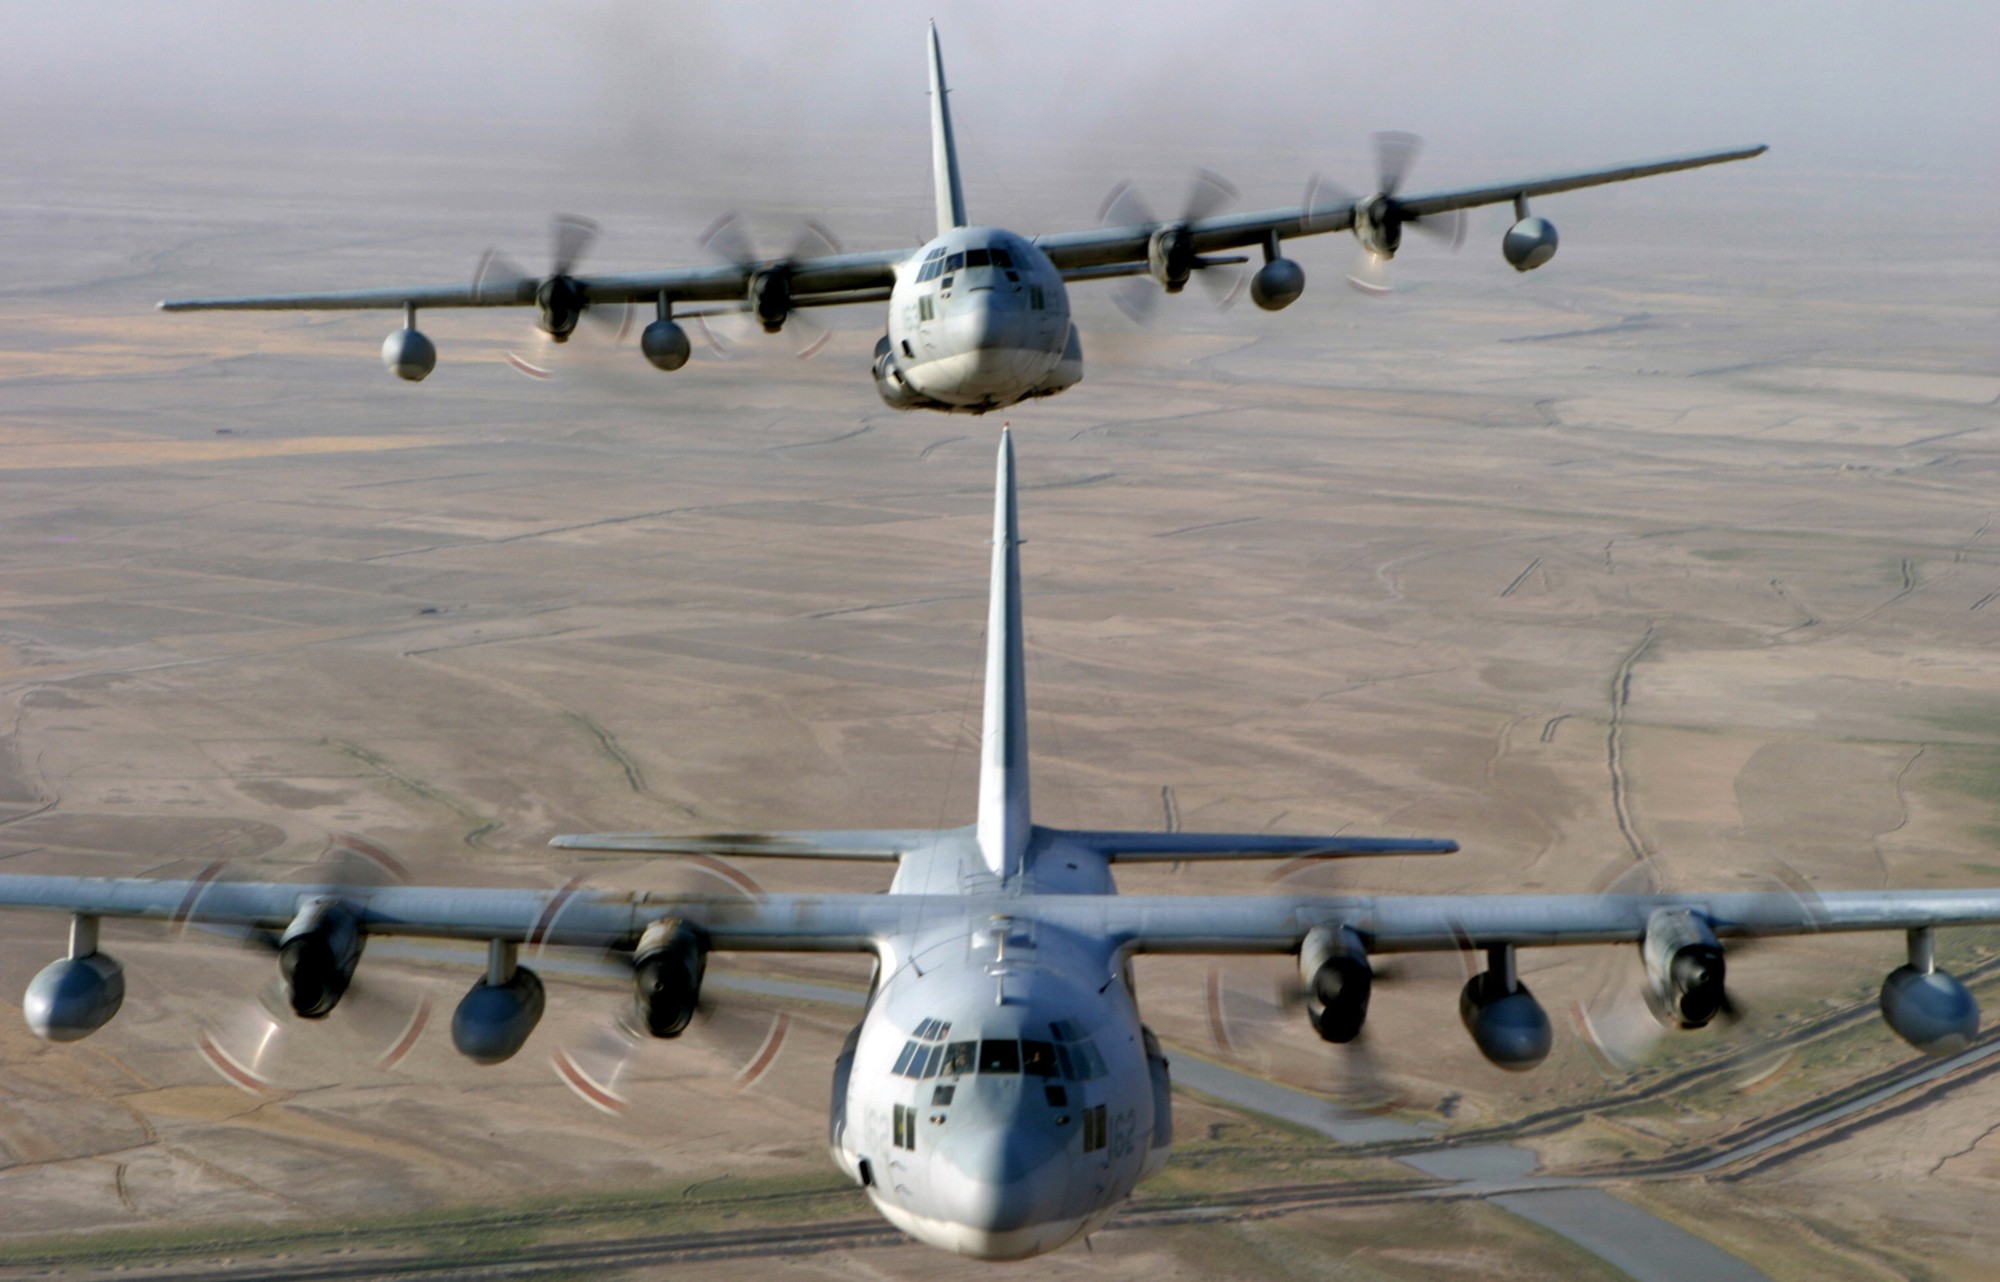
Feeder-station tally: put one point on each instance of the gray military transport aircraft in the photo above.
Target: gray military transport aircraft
(1001, 1095)
(979, 317)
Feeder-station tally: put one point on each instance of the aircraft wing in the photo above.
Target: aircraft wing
(1078, 253)
(1435, 923)
(815, 282)
(1439, 202)
(566, 917)
(582, 917)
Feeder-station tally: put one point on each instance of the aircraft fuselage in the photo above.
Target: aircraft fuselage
(978, 320)
(1000, 1097)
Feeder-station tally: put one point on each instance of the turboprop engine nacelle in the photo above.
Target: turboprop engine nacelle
(560, 302)
(1927, 1007)
(1338, 980)
(1529, 243)
(1685, 968)
(1378, 225)
(667, 968)
(1506, 1022)
(317, 955)
(1170, 257)
(493, 1020)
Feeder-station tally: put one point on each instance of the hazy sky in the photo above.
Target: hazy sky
(1826, 81)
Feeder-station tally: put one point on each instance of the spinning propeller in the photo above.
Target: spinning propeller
(315, 1014)
(1170, 257)
(560, 299)
(1682, 979)
(768, 299)
(1379, 219)
(665, 1003)
(1263, 1014)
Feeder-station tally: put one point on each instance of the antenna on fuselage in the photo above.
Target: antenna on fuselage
(944, 152)
(1004, 822)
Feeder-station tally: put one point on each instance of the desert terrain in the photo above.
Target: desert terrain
(1677, 555)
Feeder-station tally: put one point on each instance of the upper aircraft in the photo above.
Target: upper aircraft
(979, 317)
(1001, 1095)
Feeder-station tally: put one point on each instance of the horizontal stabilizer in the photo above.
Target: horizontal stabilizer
(1160, 847)
(883, 843)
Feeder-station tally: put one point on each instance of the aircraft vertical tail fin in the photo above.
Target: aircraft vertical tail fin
(944, 151)
(1004, 821)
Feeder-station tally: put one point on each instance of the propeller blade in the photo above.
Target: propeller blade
(1619, 1025)
(814, 240)
(595, 1068)
(1447, 227)
(814, 335)
(1252, 1022)
(573, 234)
(1224, 285)
(1124, 207)
(1137, 297)
(1370, 275)
(537, 368)
(1322, 203)
(720, 349)
(613, 320)
(499, 276)
(728, 242)
(1359, 1083)
(1209, 195)
(1394, 153)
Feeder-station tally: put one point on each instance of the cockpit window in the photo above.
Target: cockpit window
(959, 1058)
(1001, 258)
(999, 1055)
(933, 1030)
(1070, 1061)
(978, 258)
(954, 262)
(1065, 1030)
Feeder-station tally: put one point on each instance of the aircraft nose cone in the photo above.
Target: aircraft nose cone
(993, 326)
(997, 1180)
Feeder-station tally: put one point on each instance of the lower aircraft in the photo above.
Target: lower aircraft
(979, 317)
(1001, 1095)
